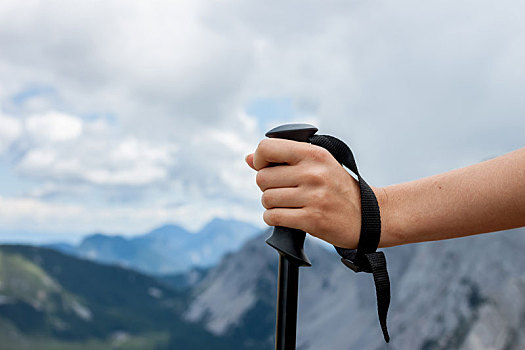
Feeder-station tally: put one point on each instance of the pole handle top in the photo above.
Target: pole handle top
(295, 132)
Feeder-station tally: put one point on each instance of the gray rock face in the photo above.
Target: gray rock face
(464, 294)
(244, 284)
(232, 289)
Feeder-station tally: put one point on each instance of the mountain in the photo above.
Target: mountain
(49, 300)
(466, 294)
(237, 298)
(166, 250)
(61, 247)
(185, 280)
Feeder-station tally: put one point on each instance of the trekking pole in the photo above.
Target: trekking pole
(289, 243)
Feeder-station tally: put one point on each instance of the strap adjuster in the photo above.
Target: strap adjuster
(350, 264)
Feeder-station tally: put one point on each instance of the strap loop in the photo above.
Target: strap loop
(364, 258)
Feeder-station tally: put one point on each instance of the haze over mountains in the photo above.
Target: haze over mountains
(167, 249)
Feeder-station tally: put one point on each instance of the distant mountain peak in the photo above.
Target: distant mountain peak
(226, 224)
(168, 229)
(98, 238)
(218, 221)
(167, 249)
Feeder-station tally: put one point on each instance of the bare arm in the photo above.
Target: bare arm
(315, 194)
(485, 197)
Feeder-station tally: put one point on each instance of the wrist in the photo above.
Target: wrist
(391, 235)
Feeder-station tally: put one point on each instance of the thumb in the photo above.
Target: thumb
(249, 160)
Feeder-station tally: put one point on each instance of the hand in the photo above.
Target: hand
(309, 190)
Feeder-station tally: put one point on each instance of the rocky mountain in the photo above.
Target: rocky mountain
(49, 300)
(237, 298)
(463, 294)
(166, 250)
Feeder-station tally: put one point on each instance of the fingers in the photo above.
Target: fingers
(278, 151)
(287, 217)
(278, 176)
(288, 197)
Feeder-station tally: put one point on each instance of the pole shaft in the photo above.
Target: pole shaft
(287, 293)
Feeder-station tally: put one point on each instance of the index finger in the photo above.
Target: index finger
(278, 151)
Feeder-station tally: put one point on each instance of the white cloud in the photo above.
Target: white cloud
(54, 127)
(99, 156)
(10, 130)
(19, 210)
(38, 160)
(140, 174)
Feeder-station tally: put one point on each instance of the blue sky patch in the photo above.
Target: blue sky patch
(270, 111)
(10, 183)
(32, 92)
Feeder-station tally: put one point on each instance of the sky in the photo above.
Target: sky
(120, 116)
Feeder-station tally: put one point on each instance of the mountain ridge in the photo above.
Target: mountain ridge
(167, 249)
(51, 300)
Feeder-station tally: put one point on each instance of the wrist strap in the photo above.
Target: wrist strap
(364, 258)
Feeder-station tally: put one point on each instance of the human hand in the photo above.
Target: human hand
(309, 190)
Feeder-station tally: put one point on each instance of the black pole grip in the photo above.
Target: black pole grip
(288, 241)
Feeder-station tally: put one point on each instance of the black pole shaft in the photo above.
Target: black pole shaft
(288, 284)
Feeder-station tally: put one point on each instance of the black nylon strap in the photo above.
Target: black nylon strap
(377, 262)
(364, 258)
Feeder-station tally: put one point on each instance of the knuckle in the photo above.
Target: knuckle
(318, 198)
(316, 175)
(314, 219)
(263, 146)
(319, 154)
(315, 215)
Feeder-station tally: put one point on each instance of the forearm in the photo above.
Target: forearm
(485, 197)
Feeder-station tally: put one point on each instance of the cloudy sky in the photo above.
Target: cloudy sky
(118, 116)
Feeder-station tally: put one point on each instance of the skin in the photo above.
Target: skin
(311, 191)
